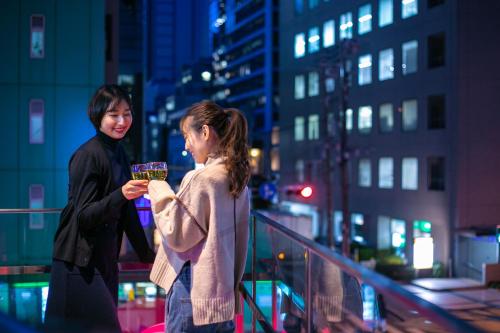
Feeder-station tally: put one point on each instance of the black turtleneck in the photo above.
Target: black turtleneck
(117, 157)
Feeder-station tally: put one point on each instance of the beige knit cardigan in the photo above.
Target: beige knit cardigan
(196, 224)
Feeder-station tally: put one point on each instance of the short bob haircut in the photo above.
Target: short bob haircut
(105, 99)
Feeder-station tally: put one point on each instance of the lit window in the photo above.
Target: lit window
(386, 118)
(300, 87)
(313, 84)
(398, 236)
(385, 172)
(275, 159)
(300, 45)
(36, 125)
(299, 129)
(329, 85)
(409, 8)
(275, 136)
(383, 232)
(385, 12)
(299, 170)
(349, 115)
(386, 65)
(410, 115)
(365, 19)
(337, 225)
(37, 37)
(410, 61)
(409, 173)
(365, 69)
(313, 127)
(346, 25)
(357, 223)
(313, 40)
(365, 173)
(365, 119)
(329, 33)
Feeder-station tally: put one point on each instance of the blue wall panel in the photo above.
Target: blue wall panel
(9, 39)
(9, 110)
(72, 127)
(72, 42)
(96, 44)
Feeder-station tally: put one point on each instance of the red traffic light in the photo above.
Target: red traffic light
(306, 192)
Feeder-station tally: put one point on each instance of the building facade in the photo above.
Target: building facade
(419, 114)
(52, 62)
(244, 35)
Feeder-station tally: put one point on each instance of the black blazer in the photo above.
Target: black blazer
(94, 200)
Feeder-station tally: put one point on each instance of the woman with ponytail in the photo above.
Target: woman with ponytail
(204, 226)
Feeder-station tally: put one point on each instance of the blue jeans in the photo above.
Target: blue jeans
(179, 310)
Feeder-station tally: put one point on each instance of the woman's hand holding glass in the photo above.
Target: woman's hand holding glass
(133, 189)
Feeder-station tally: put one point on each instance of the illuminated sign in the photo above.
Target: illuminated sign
(423, 252)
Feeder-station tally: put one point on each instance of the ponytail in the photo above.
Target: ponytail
(234, 145)
(232, 130)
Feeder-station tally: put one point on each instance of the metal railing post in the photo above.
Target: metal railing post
(308, 300)
(254, 273)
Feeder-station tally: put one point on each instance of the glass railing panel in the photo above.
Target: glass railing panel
(321, 291)
(264, 270)
(336, 298)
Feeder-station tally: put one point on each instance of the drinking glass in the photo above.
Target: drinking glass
(157, 170)
(139, 171)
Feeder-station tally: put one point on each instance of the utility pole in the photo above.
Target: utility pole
(326, 70)
(330, 65)
(342, 159)
(348, 47)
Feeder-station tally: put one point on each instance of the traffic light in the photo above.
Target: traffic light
(306, 192)
(303, 191)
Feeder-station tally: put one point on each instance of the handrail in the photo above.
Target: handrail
(29, 210)
(381, 283)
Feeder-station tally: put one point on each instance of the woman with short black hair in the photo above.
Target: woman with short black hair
(83, 290)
